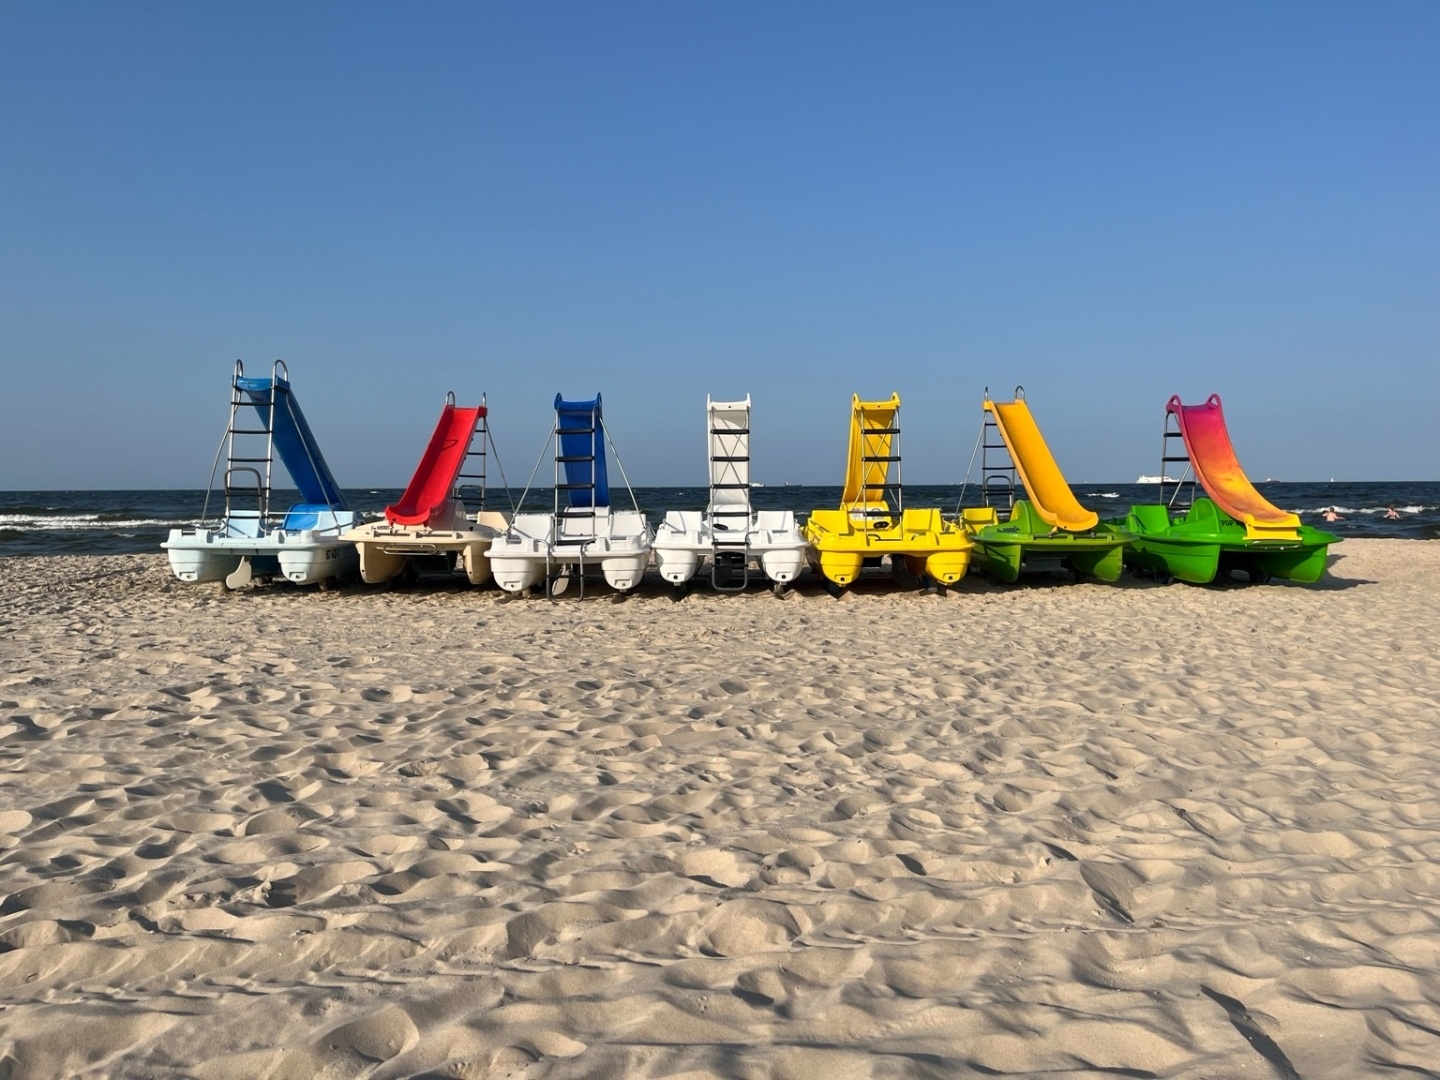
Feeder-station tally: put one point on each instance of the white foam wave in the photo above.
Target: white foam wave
(27, 522)
(1409, 509)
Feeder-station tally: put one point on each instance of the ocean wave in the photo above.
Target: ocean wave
(62, 522)
(1414, 509)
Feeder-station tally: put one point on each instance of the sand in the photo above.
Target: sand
(1070, 830)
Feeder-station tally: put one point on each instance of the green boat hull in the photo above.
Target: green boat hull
(1207, 543)
(1026, 544)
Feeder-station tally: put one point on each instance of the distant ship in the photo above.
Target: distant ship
(1156, 480)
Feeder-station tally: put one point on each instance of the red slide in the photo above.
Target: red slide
(434, 477)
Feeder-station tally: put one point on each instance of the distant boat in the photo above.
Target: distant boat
(1156, 480)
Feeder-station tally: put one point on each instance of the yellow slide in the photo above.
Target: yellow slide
(1049, 493)
(867, 526)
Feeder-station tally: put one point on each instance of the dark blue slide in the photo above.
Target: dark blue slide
(582, 445)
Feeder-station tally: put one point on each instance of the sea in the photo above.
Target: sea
(124, 522)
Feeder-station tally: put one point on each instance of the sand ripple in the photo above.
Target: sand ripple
(1063, 830)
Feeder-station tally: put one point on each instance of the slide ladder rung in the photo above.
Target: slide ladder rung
(568, 459)
(729, 487)
(729, 431)
(880, 431)
(577, 431)
(731, 457)
(880, 457)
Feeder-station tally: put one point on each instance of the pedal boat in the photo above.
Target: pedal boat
(430, 524)
(1049, 530)
(729, 534)
(871, 525)
(583, 532)
(302, 545)
(1231, 528)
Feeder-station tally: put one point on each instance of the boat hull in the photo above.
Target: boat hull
(1205, 544)
(522, 556)
(684, 542)
(842, 543)
(310, 550)
(199, 556)
(1026, 544)
(387, 550)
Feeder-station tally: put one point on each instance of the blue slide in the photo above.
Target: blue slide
(582, 434)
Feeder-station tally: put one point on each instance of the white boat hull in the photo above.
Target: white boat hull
(620, 549)
(242, 546)
(685, 541)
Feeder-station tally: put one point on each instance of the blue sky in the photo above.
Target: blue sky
(1106, 202)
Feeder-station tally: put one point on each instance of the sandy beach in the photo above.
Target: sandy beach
(1059, 829)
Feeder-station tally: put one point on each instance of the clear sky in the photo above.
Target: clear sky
(1108, 202)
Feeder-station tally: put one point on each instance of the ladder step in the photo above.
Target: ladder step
(578, 512)
(729, 431)
(248, 431)
(1162, 459)
(880, 457)
(568, 458)
(880, 431)
(577, 431)
(250, 460)
(730, 513)
(729, 487)
(574, 487)
(730, 457)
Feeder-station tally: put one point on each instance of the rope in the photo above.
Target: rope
(543, 451)
(968, 468)
(621, 465)
(508, 496)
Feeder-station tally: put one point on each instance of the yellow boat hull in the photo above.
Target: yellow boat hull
(841, 541)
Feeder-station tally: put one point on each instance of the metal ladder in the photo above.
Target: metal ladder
(1001, 477)
(566, 512)
(875, 465)
(472, 475)
(1172, 431)
(243, 458)
(728, 555)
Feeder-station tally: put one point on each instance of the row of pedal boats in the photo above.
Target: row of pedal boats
(1028, 520)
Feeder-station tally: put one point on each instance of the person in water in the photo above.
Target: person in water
(1331, 515)
(1391, 514)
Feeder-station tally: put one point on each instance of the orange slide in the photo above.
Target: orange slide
(434, 480)
(1212, 456)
